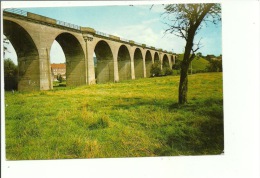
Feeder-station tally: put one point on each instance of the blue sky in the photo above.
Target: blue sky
(137, 23)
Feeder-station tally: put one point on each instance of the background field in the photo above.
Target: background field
(129, 119)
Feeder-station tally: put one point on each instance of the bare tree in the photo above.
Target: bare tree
(185, 20)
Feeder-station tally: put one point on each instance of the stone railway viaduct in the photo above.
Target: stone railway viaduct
(118, 59)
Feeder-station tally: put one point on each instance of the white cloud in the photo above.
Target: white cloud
(145, 33)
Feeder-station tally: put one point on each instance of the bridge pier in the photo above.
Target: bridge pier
(45, 69)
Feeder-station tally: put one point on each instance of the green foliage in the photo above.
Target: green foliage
(156, 69)
(215, 66)
(175, 72)
(167, 71)
(10, 75)
(59, 78)
(130, 119)
(177, 64)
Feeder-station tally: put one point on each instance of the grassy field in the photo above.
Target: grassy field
(138, 118)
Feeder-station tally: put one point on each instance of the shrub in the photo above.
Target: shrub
(215, 66)
(167, 71)
(177, 64)
(156, 70)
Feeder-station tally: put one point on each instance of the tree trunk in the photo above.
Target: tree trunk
(183, 86)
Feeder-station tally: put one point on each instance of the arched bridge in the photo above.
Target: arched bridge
(118, 59)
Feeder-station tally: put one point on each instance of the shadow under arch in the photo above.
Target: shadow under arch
(104, 70)
(124, 63)
(75, 59)
(138, 64)
(165, 62)
(156, 57)
(27, 56)
(173, 60)
(148, 63)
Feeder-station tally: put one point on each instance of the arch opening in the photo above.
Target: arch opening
(156, 58)
(165, 62)
(138, 64)
(124, 63)
(148, 63)
(10, 65)
(58, 65)
(27, 56)
(104, 65)
(75, 59)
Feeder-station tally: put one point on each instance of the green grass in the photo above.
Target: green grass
(137, 118)
(197, 64)
(59, 84)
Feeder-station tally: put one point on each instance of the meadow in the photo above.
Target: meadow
(137, 118)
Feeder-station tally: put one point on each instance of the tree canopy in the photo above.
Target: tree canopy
(10, 75)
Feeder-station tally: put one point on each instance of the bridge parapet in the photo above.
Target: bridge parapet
(102, 34)
(41, 18)
(88, 30)
(114, 37)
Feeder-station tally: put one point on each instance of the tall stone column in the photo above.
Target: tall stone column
(88, 37)
(116, 74)
(144, 66)
(132, 63)
(161, 59)
(45, 70)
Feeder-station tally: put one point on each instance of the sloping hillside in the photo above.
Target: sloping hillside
(197, 64)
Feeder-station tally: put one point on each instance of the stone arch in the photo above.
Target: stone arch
(165, 62)
(156, 57)
(148, 62)
(138, 63)
(75, 59)
(124, 63)
(27, 55)
(104, 67)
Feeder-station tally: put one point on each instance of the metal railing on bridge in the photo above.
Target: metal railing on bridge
(102, 34)
(58, 22)
(70, 25)
(16, 11)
